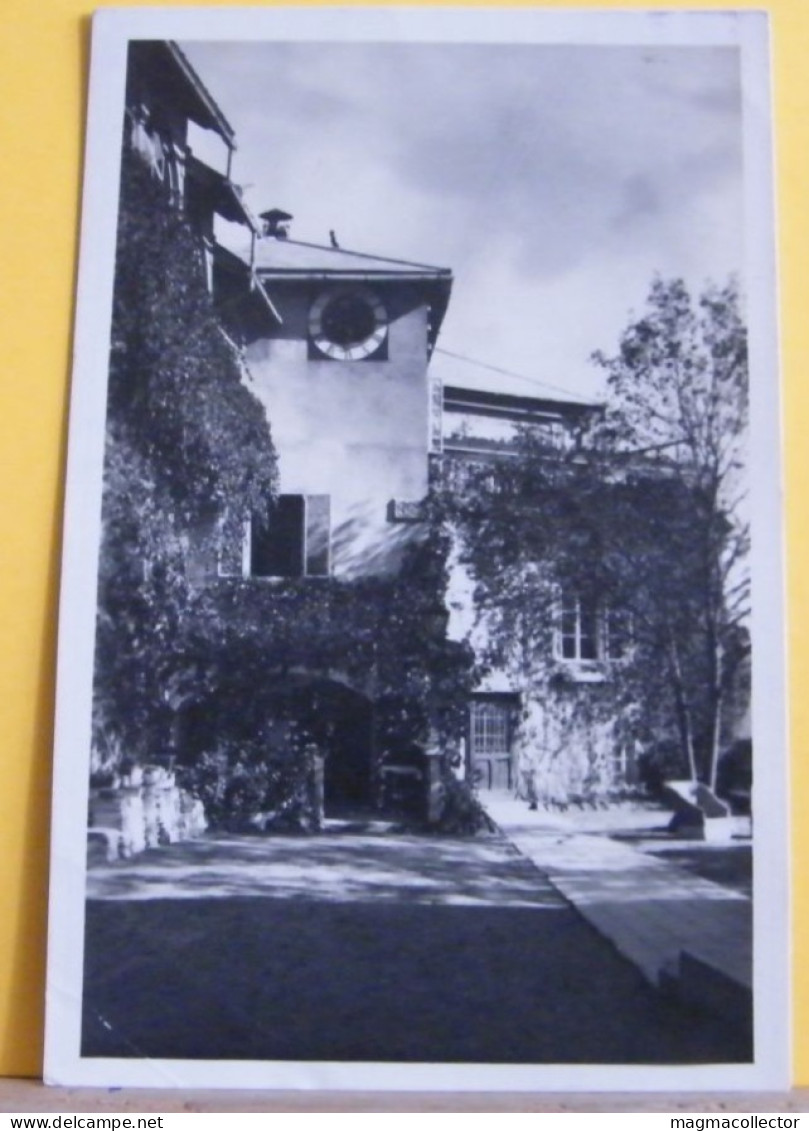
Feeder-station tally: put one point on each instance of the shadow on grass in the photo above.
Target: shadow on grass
(299, 979)
(376, 869)
(730, 865)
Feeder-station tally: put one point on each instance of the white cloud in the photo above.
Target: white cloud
(554, 181)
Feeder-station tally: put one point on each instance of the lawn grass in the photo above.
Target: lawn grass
(416, 949)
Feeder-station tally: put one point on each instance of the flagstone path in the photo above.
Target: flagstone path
(652, 910)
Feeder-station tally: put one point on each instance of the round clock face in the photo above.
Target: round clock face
(348, 325)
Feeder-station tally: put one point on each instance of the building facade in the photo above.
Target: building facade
(335, 347)
(542, 719)
(343, 377)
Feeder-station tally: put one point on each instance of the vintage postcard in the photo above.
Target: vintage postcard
(421, 684)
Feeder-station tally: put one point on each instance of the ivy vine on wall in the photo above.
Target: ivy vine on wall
(194, 666)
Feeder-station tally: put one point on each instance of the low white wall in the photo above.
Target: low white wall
(143, 811)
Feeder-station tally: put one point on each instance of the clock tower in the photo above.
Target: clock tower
(343, 377)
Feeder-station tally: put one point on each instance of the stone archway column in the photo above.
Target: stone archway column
(315, 785)
(435, 786)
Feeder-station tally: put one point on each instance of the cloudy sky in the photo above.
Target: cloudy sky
(555, 181)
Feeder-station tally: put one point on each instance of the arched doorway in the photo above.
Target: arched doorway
(340, 721)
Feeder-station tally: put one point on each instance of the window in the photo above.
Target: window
(620, 763)
(616, 633)
(292, 539)
(578, 629)
(591, 630)
(490, 726)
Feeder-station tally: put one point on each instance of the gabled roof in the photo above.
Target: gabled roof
(285, 258)
(276, 259)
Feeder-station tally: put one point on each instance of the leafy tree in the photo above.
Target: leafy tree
(643, 519)
(679, 401)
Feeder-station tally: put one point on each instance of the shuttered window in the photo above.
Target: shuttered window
(318, 535)
(292, 539)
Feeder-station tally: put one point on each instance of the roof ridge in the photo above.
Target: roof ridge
(369, 255)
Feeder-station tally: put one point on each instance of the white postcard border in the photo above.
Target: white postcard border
(112, 30)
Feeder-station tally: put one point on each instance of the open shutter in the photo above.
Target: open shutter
(318, 535)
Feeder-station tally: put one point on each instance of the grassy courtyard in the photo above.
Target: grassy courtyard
(365, 946)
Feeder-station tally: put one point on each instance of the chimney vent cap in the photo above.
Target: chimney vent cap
(276, 222)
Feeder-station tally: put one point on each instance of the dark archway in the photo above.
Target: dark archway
(350, 752)
(279, 726)
(340, 721)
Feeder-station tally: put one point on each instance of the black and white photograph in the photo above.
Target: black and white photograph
(420, 707)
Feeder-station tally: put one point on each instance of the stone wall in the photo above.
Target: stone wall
(142, 810)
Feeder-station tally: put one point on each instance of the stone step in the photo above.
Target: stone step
(702, 986)
(685, 934)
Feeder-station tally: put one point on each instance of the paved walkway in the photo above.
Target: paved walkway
(653, 911)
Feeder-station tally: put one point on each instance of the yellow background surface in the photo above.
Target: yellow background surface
(44, 50)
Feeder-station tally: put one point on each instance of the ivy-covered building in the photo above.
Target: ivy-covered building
(588, 578)
(533, 724)
(271, 593)
(320, 565)
(185, 439)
